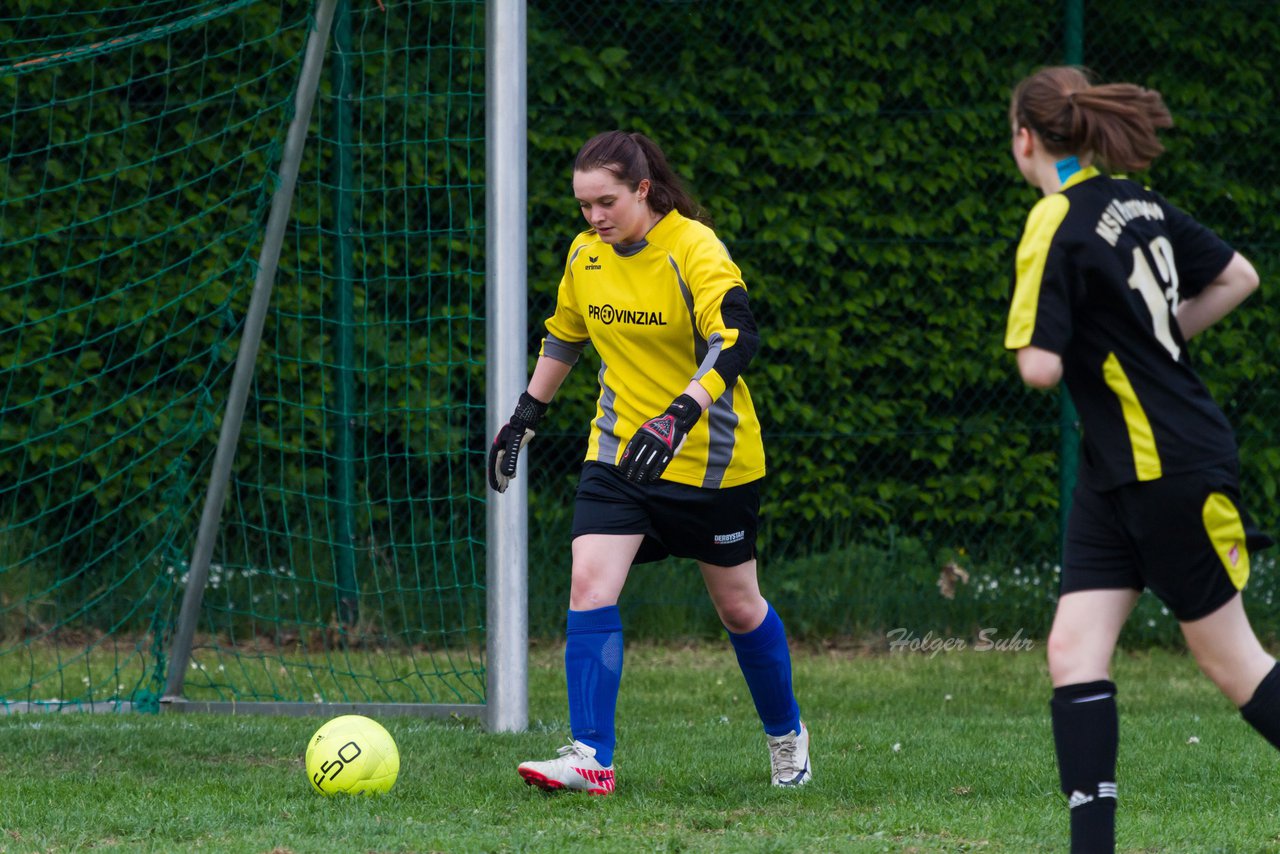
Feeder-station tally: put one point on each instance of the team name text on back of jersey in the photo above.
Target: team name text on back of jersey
(1118, 214)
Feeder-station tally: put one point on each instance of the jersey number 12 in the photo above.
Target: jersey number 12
(1159, 289)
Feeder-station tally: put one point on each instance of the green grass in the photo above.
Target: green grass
(973, 769)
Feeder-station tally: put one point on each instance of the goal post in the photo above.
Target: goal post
(508, 525)
(242, 345)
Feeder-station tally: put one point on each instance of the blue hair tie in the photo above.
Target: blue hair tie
(1067, 167)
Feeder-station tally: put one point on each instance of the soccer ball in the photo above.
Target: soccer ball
(352, 754)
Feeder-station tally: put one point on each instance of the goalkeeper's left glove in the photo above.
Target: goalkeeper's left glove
(658, 440)
(504, 453)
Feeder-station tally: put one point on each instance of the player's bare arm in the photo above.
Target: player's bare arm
(1039, 368)
(1231, 287)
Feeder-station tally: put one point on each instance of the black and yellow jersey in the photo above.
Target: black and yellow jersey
(660, 313)
(1100, 269)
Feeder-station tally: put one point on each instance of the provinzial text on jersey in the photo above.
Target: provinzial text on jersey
(1118, 213)
(607, 314)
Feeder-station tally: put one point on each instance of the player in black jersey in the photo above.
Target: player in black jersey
(674, 457)
(1111, 281)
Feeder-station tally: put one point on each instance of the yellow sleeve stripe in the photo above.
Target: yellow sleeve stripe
(1146, 459)
(713, 383)
(1033, 249)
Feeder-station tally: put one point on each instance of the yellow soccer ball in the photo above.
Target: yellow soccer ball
(352, 754)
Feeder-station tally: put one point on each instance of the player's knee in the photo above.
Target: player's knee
(1059, 649)
(1235, 677)
(590, 589)
(742, 614)
(1233, 681)
(589, 601)
(1232, 657)
(1219, 674)
(588, 596)
(1071, 661)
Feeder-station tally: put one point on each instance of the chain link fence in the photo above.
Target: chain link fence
(855, 159)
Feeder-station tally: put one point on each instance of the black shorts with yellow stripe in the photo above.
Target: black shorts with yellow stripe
(1184, 536)
(715, 526)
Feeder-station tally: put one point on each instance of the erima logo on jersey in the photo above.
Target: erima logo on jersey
(607, 315)
(730, 539)
(594, 262)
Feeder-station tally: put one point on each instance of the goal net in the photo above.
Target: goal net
(140, 147)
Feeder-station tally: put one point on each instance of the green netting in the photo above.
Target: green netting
(855, 159)
(139, 146)
(854, 155)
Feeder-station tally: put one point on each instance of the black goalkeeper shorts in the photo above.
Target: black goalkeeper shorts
(1184, 536)
(715, 526)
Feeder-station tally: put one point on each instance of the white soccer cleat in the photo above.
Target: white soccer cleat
(576, 770)
(789, 756)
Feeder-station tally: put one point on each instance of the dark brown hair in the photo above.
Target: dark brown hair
(1117, 122)
(632, 157)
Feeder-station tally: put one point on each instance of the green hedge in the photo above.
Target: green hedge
(854, 156)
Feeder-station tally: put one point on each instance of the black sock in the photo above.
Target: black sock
(1086, 734)
(1263, 709)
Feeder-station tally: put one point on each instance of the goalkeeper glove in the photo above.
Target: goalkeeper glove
(514, 435)
(658, 440)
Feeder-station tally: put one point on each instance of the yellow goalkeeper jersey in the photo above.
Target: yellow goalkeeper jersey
(659, 313)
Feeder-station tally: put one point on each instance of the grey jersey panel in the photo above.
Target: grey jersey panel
(562, 351)
(722, 422)
(714, 346)
(699, 346)
(608, 420)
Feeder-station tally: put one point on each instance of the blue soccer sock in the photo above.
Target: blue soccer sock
(766, 663)
(593, 671)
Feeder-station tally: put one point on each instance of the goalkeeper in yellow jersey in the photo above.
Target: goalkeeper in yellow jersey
(674, 459)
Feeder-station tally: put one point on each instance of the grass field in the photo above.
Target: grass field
(911, 752)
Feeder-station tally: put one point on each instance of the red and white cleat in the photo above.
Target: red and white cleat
(575, 770)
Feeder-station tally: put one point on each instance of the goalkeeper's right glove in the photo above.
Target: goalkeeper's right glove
(658, 440)
(514, 435)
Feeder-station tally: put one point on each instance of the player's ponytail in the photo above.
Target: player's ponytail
(633, 157)
(1116, 122)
